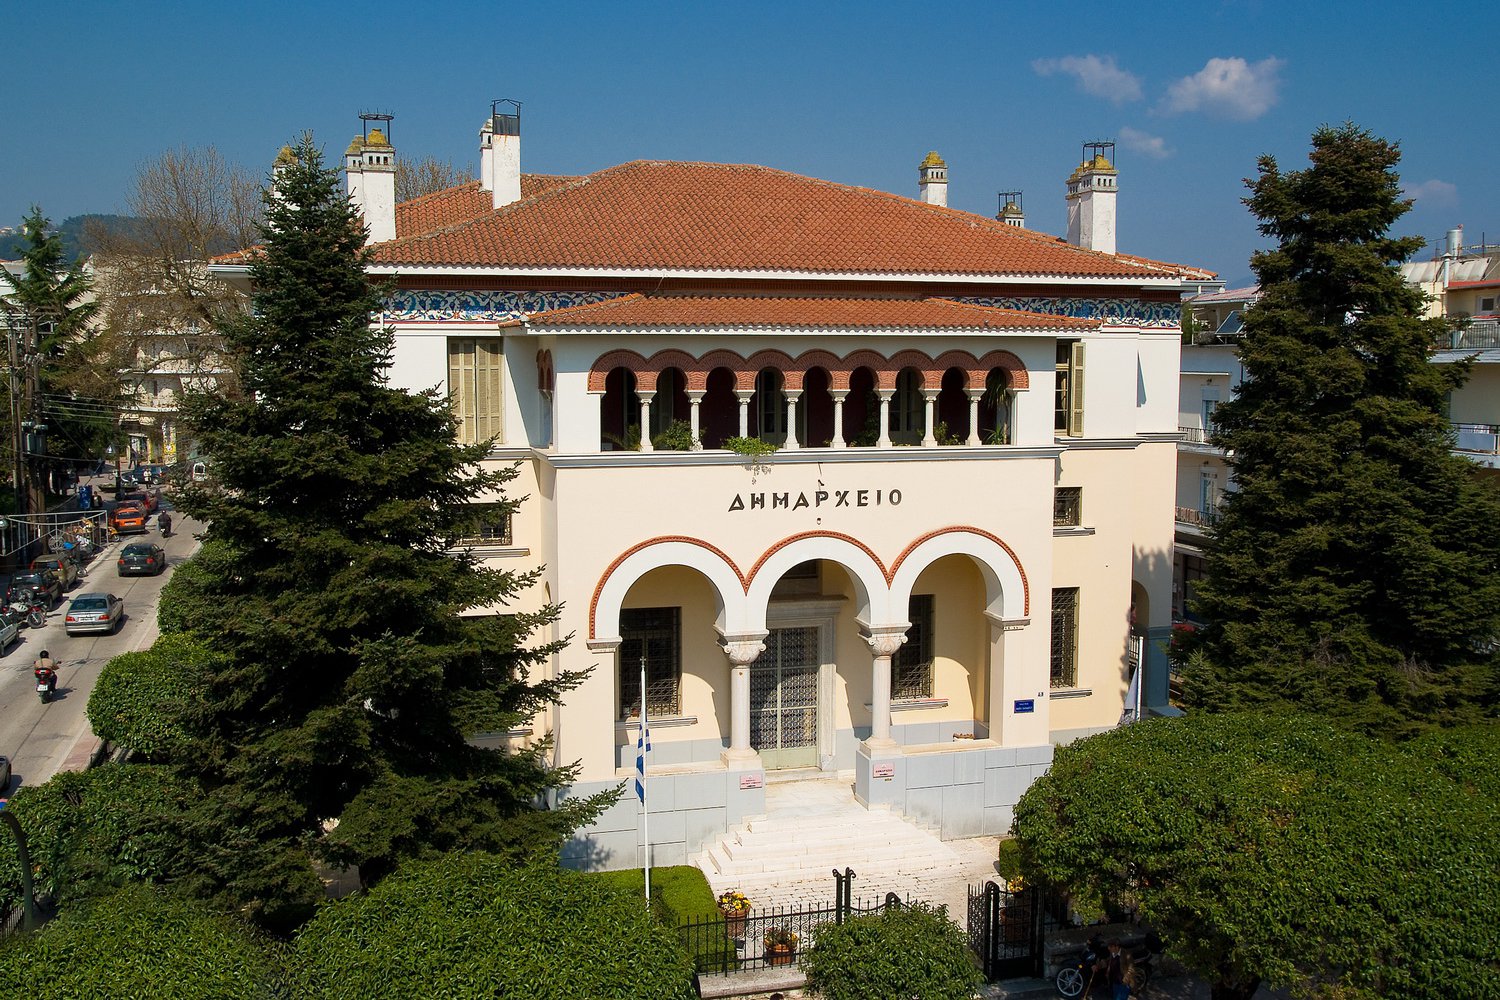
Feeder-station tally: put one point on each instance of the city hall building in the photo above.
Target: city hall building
(862, 483)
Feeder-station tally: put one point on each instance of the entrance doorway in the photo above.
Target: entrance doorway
(784, 686)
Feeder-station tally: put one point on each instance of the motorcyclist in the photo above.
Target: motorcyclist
(164, 522)
(46, 672)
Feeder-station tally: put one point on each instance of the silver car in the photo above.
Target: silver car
(94, 613)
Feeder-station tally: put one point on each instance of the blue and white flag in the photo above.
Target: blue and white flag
(642, 747)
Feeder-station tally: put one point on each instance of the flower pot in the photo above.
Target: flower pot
(734, 922)
(780, 954)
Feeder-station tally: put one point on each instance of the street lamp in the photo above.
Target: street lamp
(28, 898)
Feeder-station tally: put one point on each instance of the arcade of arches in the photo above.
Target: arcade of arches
(816, 400)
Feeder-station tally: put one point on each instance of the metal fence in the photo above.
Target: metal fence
(1007, 928)
(774, 936)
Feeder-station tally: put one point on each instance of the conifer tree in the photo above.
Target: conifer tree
(1354, 566)
(351, 677)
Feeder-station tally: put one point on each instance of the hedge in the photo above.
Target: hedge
(141, 697)
(913, 951)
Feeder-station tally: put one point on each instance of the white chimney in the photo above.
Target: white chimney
(354, 171)
(379, 187)
(500, 170)
(932, 186)
(1091, 200)
(1010, 209)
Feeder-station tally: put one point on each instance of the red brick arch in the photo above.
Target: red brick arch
(911, 359)
(698, 379)
(611, 360)
(779, 360)
(826, 360)
(974, 375)
(862, 359)
(1015, 370)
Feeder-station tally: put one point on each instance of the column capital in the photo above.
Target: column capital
(607, 645)
(743, 648)
(884, 640)
(645, 395)
(839, 395)
(886, 395)
(975, 395)
(931, 395)
(744, 395)
(696, 395)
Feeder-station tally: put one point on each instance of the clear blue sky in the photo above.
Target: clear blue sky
(853, 92)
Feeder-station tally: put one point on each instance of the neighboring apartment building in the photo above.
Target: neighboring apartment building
(1463, 286)
(1211, 372)
(936, 575)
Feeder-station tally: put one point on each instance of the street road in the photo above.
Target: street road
(36, 737)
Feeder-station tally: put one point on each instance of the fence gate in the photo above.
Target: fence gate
(1005, 930)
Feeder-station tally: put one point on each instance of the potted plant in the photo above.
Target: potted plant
(781, 946)
(735, 906)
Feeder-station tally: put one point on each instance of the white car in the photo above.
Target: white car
(10, 631)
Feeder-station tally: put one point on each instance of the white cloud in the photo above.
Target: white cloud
(1435, 193)
(1153, 146)
(1227, 88)
(1096, 75)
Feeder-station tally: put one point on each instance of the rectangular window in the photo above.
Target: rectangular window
(656, 634)
(475, 378)
(911, 667)
(1068, 406)
(487, 524)
(1065, 637)
(1067, 507)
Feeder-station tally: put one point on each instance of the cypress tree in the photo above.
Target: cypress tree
(1353, 568)
(350, 677)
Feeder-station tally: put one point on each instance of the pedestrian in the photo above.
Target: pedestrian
(1116, 964)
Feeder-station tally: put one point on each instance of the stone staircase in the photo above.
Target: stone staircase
(814, 826)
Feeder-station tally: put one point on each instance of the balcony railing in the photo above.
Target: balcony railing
(1197, 518)
(1483, 439)
(1477, 333)
(1197, 435)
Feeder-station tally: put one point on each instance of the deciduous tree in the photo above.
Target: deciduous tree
(1353, 571)
(1286, 849)
(428, 175)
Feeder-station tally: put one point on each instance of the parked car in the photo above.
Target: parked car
(130, 519)
(141, 559)
(64, 566)
(94, 613)
(4, 774)
(147, 499)
(42, 582)
(10, 631)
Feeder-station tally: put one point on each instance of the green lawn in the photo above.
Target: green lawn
(682, 887)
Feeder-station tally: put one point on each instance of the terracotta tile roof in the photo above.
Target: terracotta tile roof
(463, 203)
(796, 312)
(714, 216)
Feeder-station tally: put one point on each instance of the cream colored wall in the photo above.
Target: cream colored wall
(1478, 400)
(1101, 566)
(705, 669)
(853, 683)
(607, 511)
(960, 656)
(1159, 360)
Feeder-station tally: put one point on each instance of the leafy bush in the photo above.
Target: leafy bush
(185, 592)
(677, 437)
(749, 447)
(1008, 864)
(90, 832)
(915, 951)
(476, 925)
(683, 888)
(139, 700)
(140, 943)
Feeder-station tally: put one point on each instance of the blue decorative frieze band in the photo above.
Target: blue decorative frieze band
(429, 306)
(1112, 312)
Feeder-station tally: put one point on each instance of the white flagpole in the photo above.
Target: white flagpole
(642, 745)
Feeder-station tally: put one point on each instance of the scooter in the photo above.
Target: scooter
(164, 522)
(1077, 979)
(46, 690)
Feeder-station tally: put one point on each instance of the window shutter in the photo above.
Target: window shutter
(461, 386)
(1075, 391)
(489, 364)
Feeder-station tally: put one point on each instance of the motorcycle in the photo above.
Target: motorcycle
(1077, 979)
(164, 522)
(27, 608)
(46, 687)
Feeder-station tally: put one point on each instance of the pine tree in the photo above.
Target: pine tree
(1354, 567)
(53, 299)
(329, 584)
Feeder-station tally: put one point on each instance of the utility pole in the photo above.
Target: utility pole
(17, 434)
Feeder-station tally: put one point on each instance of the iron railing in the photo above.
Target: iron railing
(1198, 518)
(1196, 435)
(1484, 439)
(1477, 334)
(723, 945)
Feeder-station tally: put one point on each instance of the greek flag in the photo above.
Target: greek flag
(642, 747)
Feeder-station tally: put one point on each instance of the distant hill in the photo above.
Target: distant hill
(72, 234)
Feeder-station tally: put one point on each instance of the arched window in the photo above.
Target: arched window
(619, 412)
(670, 403)
(995, 416)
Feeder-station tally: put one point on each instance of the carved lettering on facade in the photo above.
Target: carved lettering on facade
(815, 499)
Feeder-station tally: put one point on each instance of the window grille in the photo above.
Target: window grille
(1065, 637)
(488, 524)
(1067, 507)
(911, 667)
(655, 633)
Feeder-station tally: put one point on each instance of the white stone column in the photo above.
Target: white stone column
(743, 649)
(791, 418)
(838, 417)
(646, 398)
(975, 395)
(884, 641)
(695, 401)
(929, 436)
(885, 417)
(744, 398)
